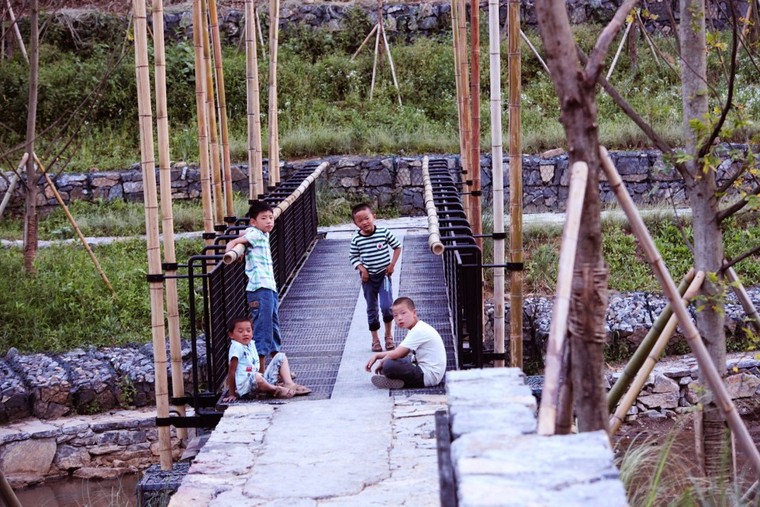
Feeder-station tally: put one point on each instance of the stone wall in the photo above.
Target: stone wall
(85, 447)
(392, 181)
(498, 458)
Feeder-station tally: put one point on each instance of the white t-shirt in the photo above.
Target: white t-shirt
(429, 352)
(247, 367)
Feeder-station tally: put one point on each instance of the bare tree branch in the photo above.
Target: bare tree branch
(738, 205)
(736, 260)
(673, 25)
(599, 53)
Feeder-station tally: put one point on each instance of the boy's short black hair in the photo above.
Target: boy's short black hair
(258, 207)
(236, 321)
(359, 207)
(403, 300)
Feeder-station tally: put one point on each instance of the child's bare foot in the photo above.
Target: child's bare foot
(283, 392)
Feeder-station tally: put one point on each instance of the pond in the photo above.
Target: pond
(120, 492)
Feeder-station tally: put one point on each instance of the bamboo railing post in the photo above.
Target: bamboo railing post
(459, 88)
(659, 347)
(274, 142)
(74, 225)
(476, 220)
(547, 412)
(151, 228)
(167, 213)
(515, 186)
(467, 100)
(715, 382)
(644, 348)
(497, 169)
(434, 233)
(12, 184)
(255, 171)
(222, 103)
(744, 299)
(201, 113)
(216, 170)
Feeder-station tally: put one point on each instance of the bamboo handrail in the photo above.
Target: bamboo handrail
(644, 348)
(515, 185)
(148, 165)
(285, 204)
(255, 171)
(706, 366)
(547, 413)
(73, 223)
(201, 113)
(12, 184)
(497, 169)
(616, 420)
(434, 233)
(167, 214)
(222, 104)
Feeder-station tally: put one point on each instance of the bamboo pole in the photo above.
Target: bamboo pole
(274, 144)
(258, 26)
(374, 65)
(16, 31)
(619, 49)
(364, 43)
(167, 214)
(434, 233)
(710, 371)
(476, 221)
(216, 170)
(390, 61)
(222, 103)
(151, 228)
(459, 86)
(644, 348)
(255, 170)
(648, 39)
(744, 299)
(467, 99)
(515, 186)
(497, 169)
(535, 51)
(547, 413)
(659, 347)
(201, 113)
(12, 184)
(74, 225)
(7, 494)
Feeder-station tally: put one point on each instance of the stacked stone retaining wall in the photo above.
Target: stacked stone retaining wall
(393, 181)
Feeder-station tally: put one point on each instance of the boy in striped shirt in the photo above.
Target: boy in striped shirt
(370, 255)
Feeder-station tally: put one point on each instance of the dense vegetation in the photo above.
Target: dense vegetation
(323, 97)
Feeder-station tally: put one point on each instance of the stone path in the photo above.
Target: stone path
(360, 447)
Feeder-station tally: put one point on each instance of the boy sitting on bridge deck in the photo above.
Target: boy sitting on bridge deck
(418, 361)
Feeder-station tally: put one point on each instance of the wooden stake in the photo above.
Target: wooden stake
(255, 169)
(216, 170)
(167, 214)
(12, 184)
(619, 49)
(515, 185)
(659, 347)
(721, 396)
(374, 28)
(151, 228)
(222, 96)
(258, 26)
(201, 113)
(434, 233)
(535, 51)
(374, 65)
(547, 413)
(74, 224)
(274, 144)
(497, 169)
(16, 31)
(390, 61)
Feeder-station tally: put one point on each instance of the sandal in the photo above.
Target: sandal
(389, 344)
(299, 390)
(284, 392)
(376, 347)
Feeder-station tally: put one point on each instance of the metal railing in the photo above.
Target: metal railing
(221, 286)
(463, 265)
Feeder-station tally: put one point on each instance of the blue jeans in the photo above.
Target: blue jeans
(378, 287)
(266, 320)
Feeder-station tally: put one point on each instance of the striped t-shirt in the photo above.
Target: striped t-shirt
(372, 251)
(258, 261)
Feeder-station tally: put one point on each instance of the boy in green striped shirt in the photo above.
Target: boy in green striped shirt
(369, 253)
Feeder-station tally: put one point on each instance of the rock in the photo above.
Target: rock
(28, 457)
(661, 400)
(742, 385)
(68, 457)
(663, 384)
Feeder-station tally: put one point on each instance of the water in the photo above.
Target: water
(118, 492)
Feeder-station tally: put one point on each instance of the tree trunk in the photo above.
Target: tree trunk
(708, 239)
(589, 296)
(30, 211)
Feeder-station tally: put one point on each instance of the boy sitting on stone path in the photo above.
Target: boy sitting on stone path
(418, 361)
(244, 379)
(369, 254)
